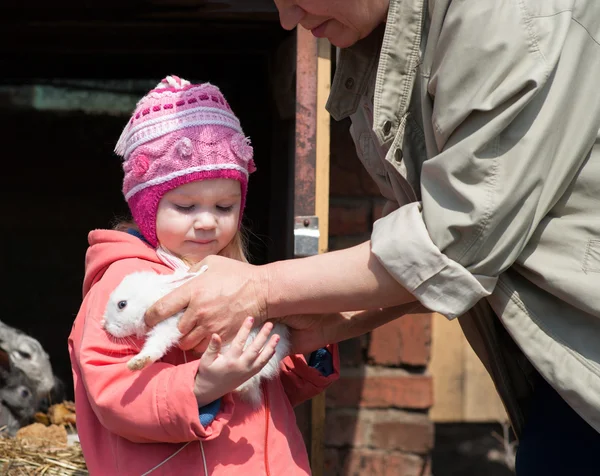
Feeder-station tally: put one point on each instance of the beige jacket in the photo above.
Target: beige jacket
(479, 122)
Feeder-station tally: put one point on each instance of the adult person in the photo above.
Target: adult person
(479, 122)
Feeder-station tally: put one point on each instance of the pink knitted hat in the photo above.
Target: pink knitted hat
(180, 133)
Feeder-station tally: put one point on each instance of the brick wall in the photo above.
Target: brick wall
(377, 420)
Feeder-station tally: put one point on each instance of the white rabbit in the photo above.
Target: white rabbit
(124, 316)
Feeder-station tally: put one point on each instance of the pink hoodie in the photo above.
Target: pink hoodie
(131, 422)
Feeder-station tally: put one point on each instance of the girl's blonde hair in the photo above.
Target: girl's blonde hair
(236, 249)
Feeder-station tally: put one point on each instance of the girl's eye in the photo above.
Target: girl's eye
(186, 208)
(225, 209)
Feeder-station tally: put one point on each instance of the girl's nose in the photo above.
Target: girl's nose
(205, 221)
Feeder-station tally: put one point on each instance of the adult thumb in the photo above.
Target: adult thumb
(169, 305)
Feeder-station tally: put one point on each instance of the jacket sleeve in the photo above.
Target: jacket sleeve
(514, 111)
(156, 404)
(301, 381)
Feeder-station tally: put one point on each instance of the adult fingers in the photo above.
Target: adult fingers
(197, 339)
(189, 320)
(168, 306)
(212, 352)
(201, 347)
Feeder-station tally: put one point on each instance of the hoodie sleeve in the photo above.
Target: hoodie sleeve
(156, 404)
(302, 381)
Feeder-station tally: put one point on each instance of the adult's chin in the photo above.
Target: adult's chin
(338, 34)
(344, 42)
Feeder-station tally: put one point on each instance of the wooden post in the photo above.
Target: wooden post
(322, 211)
(463, 390)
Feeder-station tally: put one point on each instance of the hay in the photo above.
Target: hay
(18, 459)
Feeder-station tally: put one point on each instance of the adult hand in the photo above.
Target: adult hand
(309, 332)
(343, 22)
(215, 302)
(221, 373)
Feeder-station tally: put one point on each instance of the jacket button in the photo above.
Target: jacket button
(398, 154)
(349, 83)
(387, 127)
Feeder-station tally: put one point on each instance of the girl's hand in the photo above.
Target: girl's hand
(219, 374)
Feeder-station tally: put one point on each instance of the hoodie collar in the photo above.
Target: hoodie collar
(108, 246)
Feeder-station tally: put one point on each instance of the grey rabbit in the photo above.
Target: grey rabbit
(18, 398)
(28, 355)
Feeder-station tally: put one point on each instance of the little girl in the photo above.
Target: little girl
(186, 163)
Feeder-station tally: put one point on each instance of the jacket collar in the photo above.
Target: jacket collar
(395, 50)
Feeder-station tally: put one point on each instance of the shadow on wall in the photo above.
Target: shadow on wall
(473, 449)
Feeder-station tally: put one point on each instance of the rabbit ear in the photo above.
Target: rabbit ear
(181, 278)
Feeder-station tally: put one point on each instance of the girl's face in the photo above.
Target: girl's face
(199, 218)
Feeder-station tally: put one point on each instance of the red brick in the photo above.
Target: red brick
(379, 429)
(351, 181)
(348, 427)
(360, 462)
(399, 430)
(381, 388)
(349, 217)
(407, 340)
(343, 242)
(378, 209)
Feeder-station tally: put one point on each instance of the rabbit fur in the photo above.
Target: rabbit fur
(28, 355)
(124, 316)
(18, 396)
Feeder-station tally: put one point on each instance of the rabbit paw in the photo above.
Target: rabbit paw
(139, 362)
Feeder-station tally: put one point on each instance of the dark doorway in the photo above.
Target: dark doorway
(61, 178)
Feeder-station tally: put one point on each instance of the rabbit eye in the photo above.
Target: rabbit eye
(25, 393)
(122, 304)
(23, 354)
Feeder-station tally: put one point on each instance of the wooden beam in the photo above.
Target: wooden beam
(317, 453)
(463, 390)
(447, 369)
(306, 127)
(323, 141)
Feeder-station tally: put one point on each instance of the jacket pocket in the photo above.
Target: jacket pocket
(591, 260)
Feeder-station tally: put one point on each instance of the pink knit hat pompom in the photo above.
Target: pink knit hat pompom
(180, 132)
